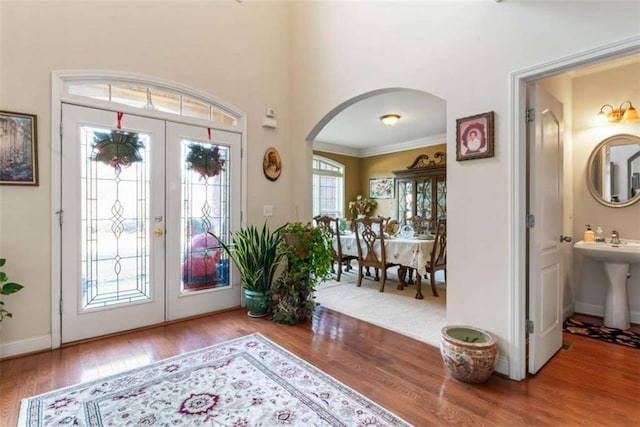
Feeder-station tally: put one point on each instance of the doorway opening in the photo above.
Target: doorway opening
(523, 258)
(131, 176)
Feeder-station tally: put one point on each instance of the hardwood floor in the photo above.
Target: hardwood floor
(591, 383)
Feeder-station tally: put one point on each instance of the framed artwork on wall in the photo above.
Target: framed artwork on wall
(18, 149)
(381, 188)
(474, 137)
(272, 164)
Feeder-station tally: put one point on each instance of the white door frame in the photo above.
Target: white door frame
(58, 80)
(517, 183)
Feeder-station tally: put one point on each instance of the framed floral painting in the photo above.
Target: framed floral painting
(18, 149)
(381, 188)
(474, 137)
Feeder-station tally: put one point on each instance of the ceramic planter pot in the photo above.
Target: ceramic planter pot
(470, 354)
(257, 303)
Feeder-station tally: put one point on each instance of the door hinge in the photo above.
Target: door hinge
(60, 130)
(59, 213)
(531, 220)
(530, 328)
(61, 306)
(530, 115)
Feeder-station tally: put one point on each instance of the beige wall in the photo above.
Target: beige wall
(303, 59)
(369, 46)
(382, 166)
(236, 52)
(358, 171)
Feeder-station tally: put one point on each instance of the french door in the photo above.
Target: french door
(139, 198)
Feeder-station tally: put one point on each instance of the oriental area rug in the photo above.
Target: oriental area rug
(249, 381)
(602, 333)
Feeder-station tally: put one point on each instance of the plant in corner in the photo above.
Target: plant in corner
(6, 289)
(306, 249)
(255, 253)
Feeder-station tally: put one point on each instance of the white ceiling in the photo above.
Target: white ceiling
(357, 129)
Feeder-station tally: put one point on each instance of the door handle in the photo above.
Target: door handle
(159, 231)
(565, 238)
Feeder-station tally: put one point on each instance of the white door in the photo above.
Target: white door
(545, 238)
(136, 209)
(201, 202)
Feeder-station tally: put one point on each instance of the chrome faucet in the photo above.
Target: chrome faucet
(615, 237)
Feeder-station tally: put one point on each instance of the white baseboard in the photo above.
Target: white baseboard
(14, 348)
(503, 365)
(568, 311)
(598, 310)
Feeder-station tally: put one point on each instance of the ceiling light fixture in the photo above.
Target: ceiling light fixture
(390, 119)
(610, 114)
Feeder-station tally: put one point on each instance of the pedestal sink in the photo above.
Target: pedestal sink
(616, 259)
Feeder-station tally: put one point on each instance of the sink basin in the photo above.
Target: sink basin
(616, 259)
(627, 252)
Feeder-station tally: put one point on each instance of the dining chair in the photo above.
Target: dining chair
(371, 249)
(420, 225)
(438, 259)
(331, 227)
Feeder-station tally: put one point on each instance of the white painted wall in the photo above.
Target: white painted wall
(590, 92)
(237, 52)
(343, 49)
(303, 59)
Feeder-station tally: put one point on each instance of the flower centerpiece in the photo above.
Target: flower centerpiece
(361, 206)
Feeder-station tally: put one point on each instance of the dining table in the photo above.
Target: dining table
(408, 252)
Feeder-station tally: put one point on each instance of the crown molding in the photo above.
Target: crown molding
(385, 149)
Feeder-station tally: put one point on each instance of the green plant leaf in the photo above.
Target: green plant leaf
(3, 276)
(10, 288)
(2, 261)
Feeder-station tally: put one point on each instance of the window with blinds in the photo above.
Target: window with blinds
(328, 187)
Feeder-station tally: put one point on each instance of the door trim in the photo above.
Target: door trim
(58, 80)
(516, 160)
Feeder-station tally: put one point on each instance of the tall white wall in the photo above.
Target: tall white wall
(590, 92)
(462, 52)
(303, 59)
(237, 52)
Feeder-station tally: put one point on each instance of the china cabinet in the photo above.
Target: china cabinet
(421, 189)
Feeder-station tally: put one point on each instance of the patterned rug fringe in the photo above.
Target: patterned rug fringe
(616, 336)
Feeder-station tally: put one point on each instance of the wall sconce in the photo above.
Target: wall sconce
(390, 119)
(617, 115)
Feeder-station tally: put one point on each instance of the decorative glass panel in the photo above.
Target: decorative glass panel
(147, 97)
(423, 198)
(115, 189)
(441, 201)
(96, 91)
(197, 109)
(405, 201)
(135, 96)
(205, 208)
(164, 101)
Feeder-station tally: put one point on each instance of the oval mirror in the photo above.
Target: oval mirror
(613, 171)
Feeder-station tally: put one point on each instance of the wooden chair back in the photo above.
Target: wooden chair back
(438, 258)
(371, 247)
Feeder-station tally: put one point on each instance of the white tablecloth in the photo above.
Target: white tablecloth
(410, 252)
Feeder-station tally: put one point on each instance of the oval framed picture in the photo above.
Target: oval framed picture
(272, 164)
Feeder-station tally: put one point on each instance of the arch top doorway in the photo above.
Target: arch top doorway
(114, 266)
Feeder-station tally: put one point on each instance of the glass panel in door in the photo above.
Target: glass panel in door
(203, 176)
(112, 201)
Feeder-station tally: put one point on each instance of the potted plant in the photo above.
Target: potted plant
(6, 289)
(308, 254)
(255, 253)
